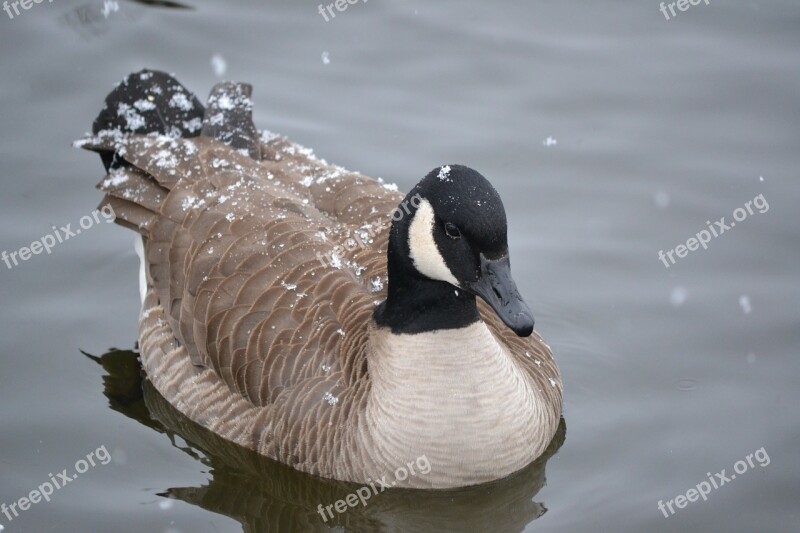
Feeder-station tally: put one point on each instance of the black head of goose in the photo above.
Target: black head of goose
(348, 368)
(451, 247)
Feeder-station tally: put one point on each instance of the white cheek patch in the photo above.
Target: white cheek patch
(422, 248)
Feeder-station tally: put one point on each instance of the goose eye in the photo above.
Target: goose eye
(452, 230)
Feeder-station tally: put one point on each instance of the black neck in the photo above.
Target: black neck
(415, 303)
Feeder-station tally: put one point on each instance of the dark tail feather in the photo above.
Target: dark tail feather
(229, 118)
(145, 102)
(152, 102)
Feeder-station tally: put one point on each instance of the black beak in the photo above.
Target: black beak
(497, 288)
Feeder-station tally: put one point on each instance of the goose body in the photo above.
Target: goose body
(315, 315)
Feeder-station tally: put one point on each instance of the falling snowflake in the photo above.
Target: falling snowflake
(678, 296)
(219, 65)
(744, 303)
(109, 6)
(661, 199)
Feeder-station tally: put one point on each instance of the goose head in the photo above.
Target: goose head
(449, 245)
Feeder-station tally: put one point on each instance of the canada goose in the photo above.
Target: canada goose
(347, 371)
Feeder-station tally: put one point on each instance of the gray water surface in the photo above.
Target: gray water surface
(655, 126)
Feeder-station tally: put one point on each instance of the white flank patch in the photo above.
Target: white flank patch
(138, 245)
(422, 248)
